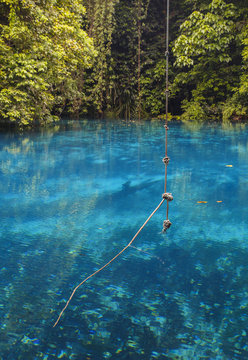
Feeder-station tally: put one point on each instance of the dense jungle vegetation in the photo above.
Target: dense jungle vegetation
(106, 58)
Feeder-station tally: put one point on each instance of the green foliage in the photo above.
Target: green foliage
(153, 89)
(43, 54)
(193, 111)
(243, 88)
(101, 25)
(236, 107)
(124, 89)
(208, 53)
(234, 110)
(81, 58)
(207, 35)
(153, 59)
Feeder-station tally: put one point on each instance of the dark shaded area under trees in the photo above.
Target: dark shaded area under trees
(82, 58)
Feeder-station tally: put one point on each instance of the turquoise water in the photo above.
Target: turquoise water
(73, 196)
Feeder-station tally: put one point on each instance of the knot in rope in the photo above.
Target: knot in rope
(166, 160)
(166, 225)
(167, 196)
(166, 127)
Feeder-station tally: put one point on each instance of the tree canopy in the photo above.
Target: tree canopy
(107, 58)
(209, 51)
(44, 52)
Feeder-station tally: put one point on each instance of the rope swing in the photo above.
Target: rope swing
(165, 196)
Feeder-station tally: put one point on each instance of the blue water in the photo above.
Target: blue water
(74, 195)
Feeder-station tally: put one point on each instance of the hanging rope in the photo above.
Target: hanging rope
(165, 197)
(139, 53)
(166, 159)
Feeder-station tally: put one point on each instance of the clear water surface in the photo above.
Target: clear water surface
(73, 196)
